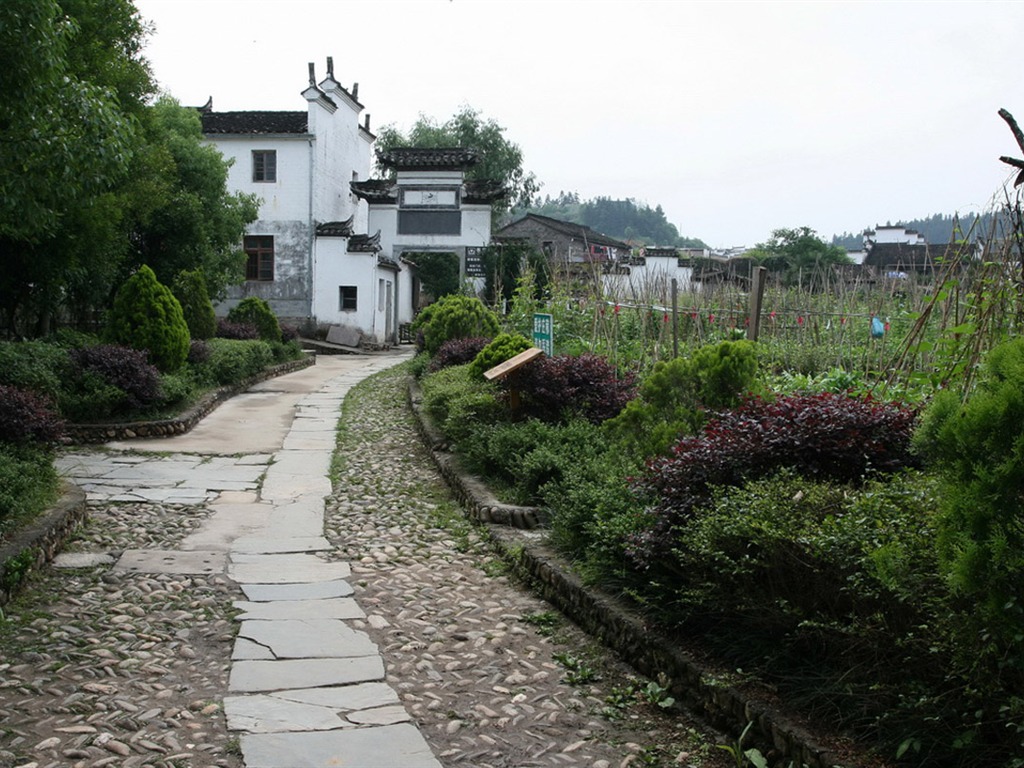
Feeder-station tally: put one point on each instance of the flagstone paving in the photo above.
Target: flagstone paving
(242, 625)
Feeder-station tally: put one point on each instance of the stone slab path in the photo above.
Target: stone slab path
(142, 652)
(305, 687)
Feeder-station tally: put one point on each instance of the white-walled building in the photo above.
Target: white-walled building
(299, 165)
(647, 278)
(327, 246)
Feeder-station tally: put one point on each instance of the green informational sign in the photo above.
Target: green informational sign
(544, 333)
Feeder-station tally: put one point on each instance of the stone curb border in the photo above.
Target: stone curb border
(614, 622)
(474, 496)
(102, 433)
(36, 545)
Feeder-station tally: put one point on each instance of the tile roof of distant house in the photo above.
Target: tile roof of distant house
(577, 231)
(903, 255)
(424, 159)
(254, 122)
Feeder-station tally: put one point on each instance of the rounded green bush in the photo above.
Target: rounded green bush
(190, 290)
(255, 311)
(454, 317)
(146, 316)
(503, 347)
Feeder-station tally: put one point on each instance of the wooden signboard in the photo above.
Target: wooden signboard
(512, 364)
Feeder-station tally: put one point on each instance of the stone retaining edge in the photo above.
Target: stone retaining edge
(37, 544)
(471, 492)
(616, 623)
(101, 433)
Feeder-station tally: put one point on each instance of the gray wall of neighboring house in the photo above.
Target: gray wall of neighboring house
(290, 291)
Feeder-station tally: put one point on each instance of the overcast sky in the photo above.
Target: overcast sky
(736, 117)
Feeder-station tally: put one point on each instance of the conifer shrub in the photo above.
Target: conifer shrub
(456, 352)
(190, 290)
(254, 311)
(146, 316)
(454, 317)
(675, 399)
(978, 448)
(555, 389)
(503, 347)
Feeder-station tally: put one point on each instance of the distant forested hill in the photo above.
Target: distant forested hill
(937, 228)
(621, 219)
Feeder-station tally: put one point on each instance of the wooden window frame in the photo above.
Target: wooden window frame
(259, 251)
(348, 298)
(264, 172)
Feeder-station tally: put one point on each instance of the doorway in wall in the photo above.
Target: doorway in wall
(437, 273)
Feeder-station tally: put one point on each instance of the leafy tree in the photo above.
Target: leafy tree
(789, 252)
(438, 272)
(503, 267)
(65, 139)
(62, 137)
(179, 213)
(501, 159)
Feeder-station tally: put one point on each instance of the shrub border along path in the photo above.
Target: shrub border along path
(101, 433)
(619, 626)
(36, 545)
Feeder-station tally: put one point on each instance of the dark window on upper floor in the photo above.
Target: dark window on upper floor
(259, 250)
(264, 165)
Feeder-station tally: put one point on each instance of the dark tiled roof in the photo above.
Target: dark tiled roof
(483, 192)
(335, 228)
(422, 159)
(254, 122)
(568, 228)
(375, 190)
(388, 262)
(671, 253)
(900, 255)
(364, 243)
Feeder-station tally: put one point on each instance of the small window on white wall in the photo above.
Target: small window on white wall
(264, 165)
(347, 298)
(381, 295)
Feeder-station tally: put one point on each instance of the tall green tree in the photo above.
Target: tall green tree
(71, 86)
(179, 213)
(63, 137)
(501, 159)
(791, 253)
